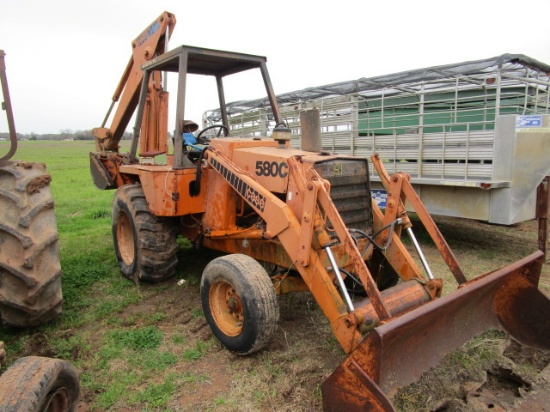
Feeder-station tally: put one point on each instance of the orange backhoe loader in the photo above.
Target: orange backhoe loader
(307, 214)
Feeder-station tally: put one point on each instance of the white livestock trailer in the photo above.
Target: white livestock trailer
(474, 136)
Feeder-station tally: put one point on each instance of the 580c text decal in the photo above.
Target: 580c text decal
(272, 169)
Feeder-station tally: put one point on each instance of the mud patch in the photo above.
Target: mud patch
(490, 373)
(38, 183)
(206, 383)
(40, 346)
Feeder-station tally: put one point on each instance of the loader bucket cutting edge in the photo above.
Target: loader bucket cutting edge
(396, 353)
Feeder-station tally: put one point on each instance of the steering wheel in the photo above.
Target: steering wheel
(206, 140)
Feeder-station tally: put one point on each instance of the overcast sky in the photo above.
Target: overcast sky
(65, 58)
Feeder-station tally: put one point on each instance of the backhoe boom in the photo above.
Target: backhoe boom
(153, 41)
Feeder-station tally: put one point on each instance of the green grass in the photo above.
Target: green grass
(136, 339)
(148, 347)
(196, 352)
(125, 360)
(94, 292)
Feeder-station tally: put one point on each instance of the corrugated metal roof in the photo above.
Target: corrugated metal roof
(410, 81)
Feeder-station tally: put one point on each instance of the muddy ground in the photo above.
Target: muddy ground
(489, 373)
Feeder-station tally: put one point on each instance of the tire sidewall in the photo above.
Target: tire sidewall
(246, 340)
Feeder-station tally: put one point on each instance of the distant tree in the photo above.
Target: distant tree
(83, 135)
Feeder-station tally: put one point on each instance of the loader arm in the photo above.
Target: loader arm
(152, 42)
(395, 335)
(305, 239)
(400, 189)
(397, 352)
(283, 224)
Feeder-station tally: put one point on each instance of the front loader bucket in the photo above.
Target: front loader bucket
(396, 353)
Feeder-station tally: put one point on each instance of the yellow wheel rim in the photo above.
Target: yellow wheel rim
(125, 239)
(226, 308)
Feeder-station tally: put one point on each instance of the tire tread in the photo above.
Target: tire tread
(30, 292)
(26, 384)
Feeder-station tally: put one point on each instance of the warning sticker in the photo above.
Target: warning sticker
(528, 121)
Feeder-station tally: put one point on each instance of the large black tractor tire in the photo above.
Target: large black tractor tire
(239, 302)
(41, 384)
(30, 272)
(145, 244)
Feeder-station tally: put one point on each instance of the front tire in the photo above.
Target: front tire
(239, 302)
(145, 244)
(35, 383)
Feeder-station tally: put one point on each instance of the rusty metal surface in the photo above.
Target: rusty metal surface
(350, 389)
(402, 181)
(286, 283)
(398, 299)
(543, 200)
(101, 178)
(524, 311)
(6, 105)
(154, 123)
(168, 190)
(399, 351)
(106, 171)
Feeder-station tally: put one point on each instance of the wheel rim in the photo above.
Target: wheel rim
(125, 238)
(58, 401)
(226, 308)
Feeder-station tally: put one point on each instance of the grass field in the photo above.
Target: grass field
(148, 347)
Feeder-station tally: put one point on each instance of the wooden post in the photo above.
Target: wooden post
(542, 213)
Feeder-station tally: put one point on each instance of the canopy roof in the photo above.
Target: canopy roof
(475, 72)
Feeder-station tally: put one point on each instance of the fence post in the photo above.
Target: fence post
(542, 213)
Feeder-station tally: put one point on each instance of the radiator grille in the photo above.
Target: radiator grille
(350, 190)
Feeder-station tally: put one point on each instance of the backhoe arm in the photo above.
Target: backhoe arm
(151, 42)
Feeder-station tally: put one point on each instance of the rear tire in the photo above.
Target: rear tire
(145, 244)
(30, 272)
(239, 302)
(34, 384)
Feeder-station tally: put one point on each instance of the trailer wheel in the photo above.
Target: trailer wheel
(145, 244)
(35, 383)
(239, 302)
(30, 271)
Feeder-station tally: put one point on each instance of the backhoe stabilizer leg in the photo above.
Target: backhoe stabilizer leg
(397, 352)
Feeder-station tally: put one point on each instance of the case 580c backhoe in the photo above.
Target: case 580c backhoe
(308, 214)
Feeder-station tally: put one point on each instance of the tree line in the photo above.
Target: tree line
(66, 134)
